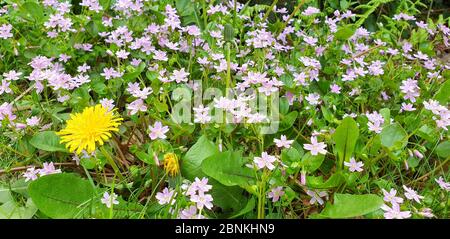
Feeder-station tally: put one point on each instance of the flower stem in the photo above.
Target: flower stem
(112, 163)
(228, 68)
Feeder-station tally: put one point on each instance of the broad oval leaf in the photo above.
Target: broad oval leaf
(393, 135)
(248, 208)
(47, 141)
(227, 168)
(443, 94)
(348, 205)
(443, 149)
(191, 164)
(60, 195)
(312, 162)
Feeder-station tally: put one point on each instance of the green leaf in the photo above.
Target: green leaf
(344, 4)
(248, 208)
(186, 10)
(393, 135)
(288, 120)
(230, 199)
(443, 94)
(10, 210)
(312, 162)
(317, 182)
(32, 9)
(443, 149)
(345, 136)
(386, 113)
(345, 32)
(88, 163)
(191, 163)
(348, 205)
(291, 154)
(47, 141)
(5, 195)
(227, 168)
(327, 115)
(144, 157)
(80, 98)
(61, 195)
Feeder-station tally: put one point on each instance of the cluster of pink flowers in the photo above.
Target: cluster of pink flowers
(395, 212)
(5, 31)
(33, 173)
(92, 5)
(376, 122)
(442, 113)
(410, 89)
(201, 114)
(197, 193)
(403, 16)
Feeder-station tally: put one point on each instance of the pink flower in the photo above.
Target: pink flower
(136, 106)
(12, 75)
(335, 89)
(407, 107)
(200, 185)
(315, 147)
(201, 114)
(110, 73)
(283, 142)
(310, 11)
(158, 131)
(276, 193)
(48, 168)
(5, 31)
(394, 212)
(353, 165)
(410, 89)
(107, 103)
(166, 196)
(4, 87)
(313, 99)
(190, 213)
(390, 197)
(411, 194)
(444, 185)
(33, 121)
(6, 111)
(376, 121)
(122, 54)
(316, 196)
(31, 174)
(202, 200)
(427, 212)
(265, 161)
(179, 75)
(109, 200)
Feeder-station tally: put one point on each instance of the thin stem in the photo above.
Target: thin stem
(228, 68)
(112, 163)
(297, 8)
(269, 11)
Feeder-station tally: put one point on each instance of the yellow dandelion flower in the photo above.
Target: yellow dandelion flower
(84, 129)
(170, 164)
